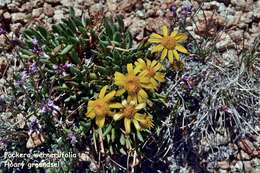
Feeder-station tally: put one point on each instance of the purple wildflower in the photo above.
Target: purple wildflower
(49, 106)
(23, 76)
(2, 31)
(186, 80)
(173, 9)
(35, 42)
(66, 66)
(33, 68)
(72, 137)
(34, 126)
(186, 11)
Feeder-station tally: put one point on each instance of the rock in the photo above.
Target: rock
(247, 146)
(16, 27)
(4, 2)
(244, 5)
(243, 166)
(13, 6)
(225, 42)
(17, 17)
(151, 13)
(111, 4)
(7, 15)
(37, 12)
(140, 14)
(223, 165)
(243, 156)
(58, 15)
(37, 3)
(53, 1)
(67, 3)
(48, 10)
(96, 8)
(236, 35)
(78, 12)
(27, 7)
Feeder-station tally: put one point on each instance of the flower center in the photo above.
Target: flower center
(129, 112)
(101, 108)
(168, 42)
(151, 72)
(132, 84)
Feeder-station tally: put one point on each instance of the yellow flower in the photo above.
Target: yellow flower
(178, 65)
(152, 69)
(129, 111)
(99, 108)
(134, 83)
(168, 44)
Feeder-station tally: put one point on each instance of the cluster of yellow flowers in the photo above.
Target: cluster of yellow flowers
(169, 44)
(143, 76)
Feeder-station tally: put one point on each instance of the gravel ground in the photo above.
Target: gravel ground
(235, 21)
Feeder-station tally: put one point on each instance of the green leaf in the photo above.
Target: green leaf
(108, 129)
(129, 40)
(75, 57)
(122, 139)
(66, 49)
(43, 31)
(113, 137)
(71, 12)
(117, 37)
(139, 136)
(121, 23)
(75, 70)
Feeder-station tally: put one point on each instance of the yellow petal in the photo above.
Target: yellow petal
(159, 77)
(130, 69)
(116, 105)
(140, 106)
(173, 34)
(154, 83)
(165, 30)
(170, 56)
(148, 62)
(154, 40)
(164, 53)
(136, 124)
(157, 67)
(90, 114)
(120, 92)
(176, 55)
(124, 103)
(154, 35)
(110, 95)
(139, 117)
(118, 116)
(100, 121)
(180, 48)
(143, 94)
(127, 123)
(132, 98)
(157, 48)
(103, 92)
(154, 62)
(119, 78)
(181, 37)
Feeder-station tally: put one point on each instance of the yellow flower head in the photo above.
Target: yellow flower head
(99, 108)
(129, 111)
(152, 69)
(134, 83)
(168, 44)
